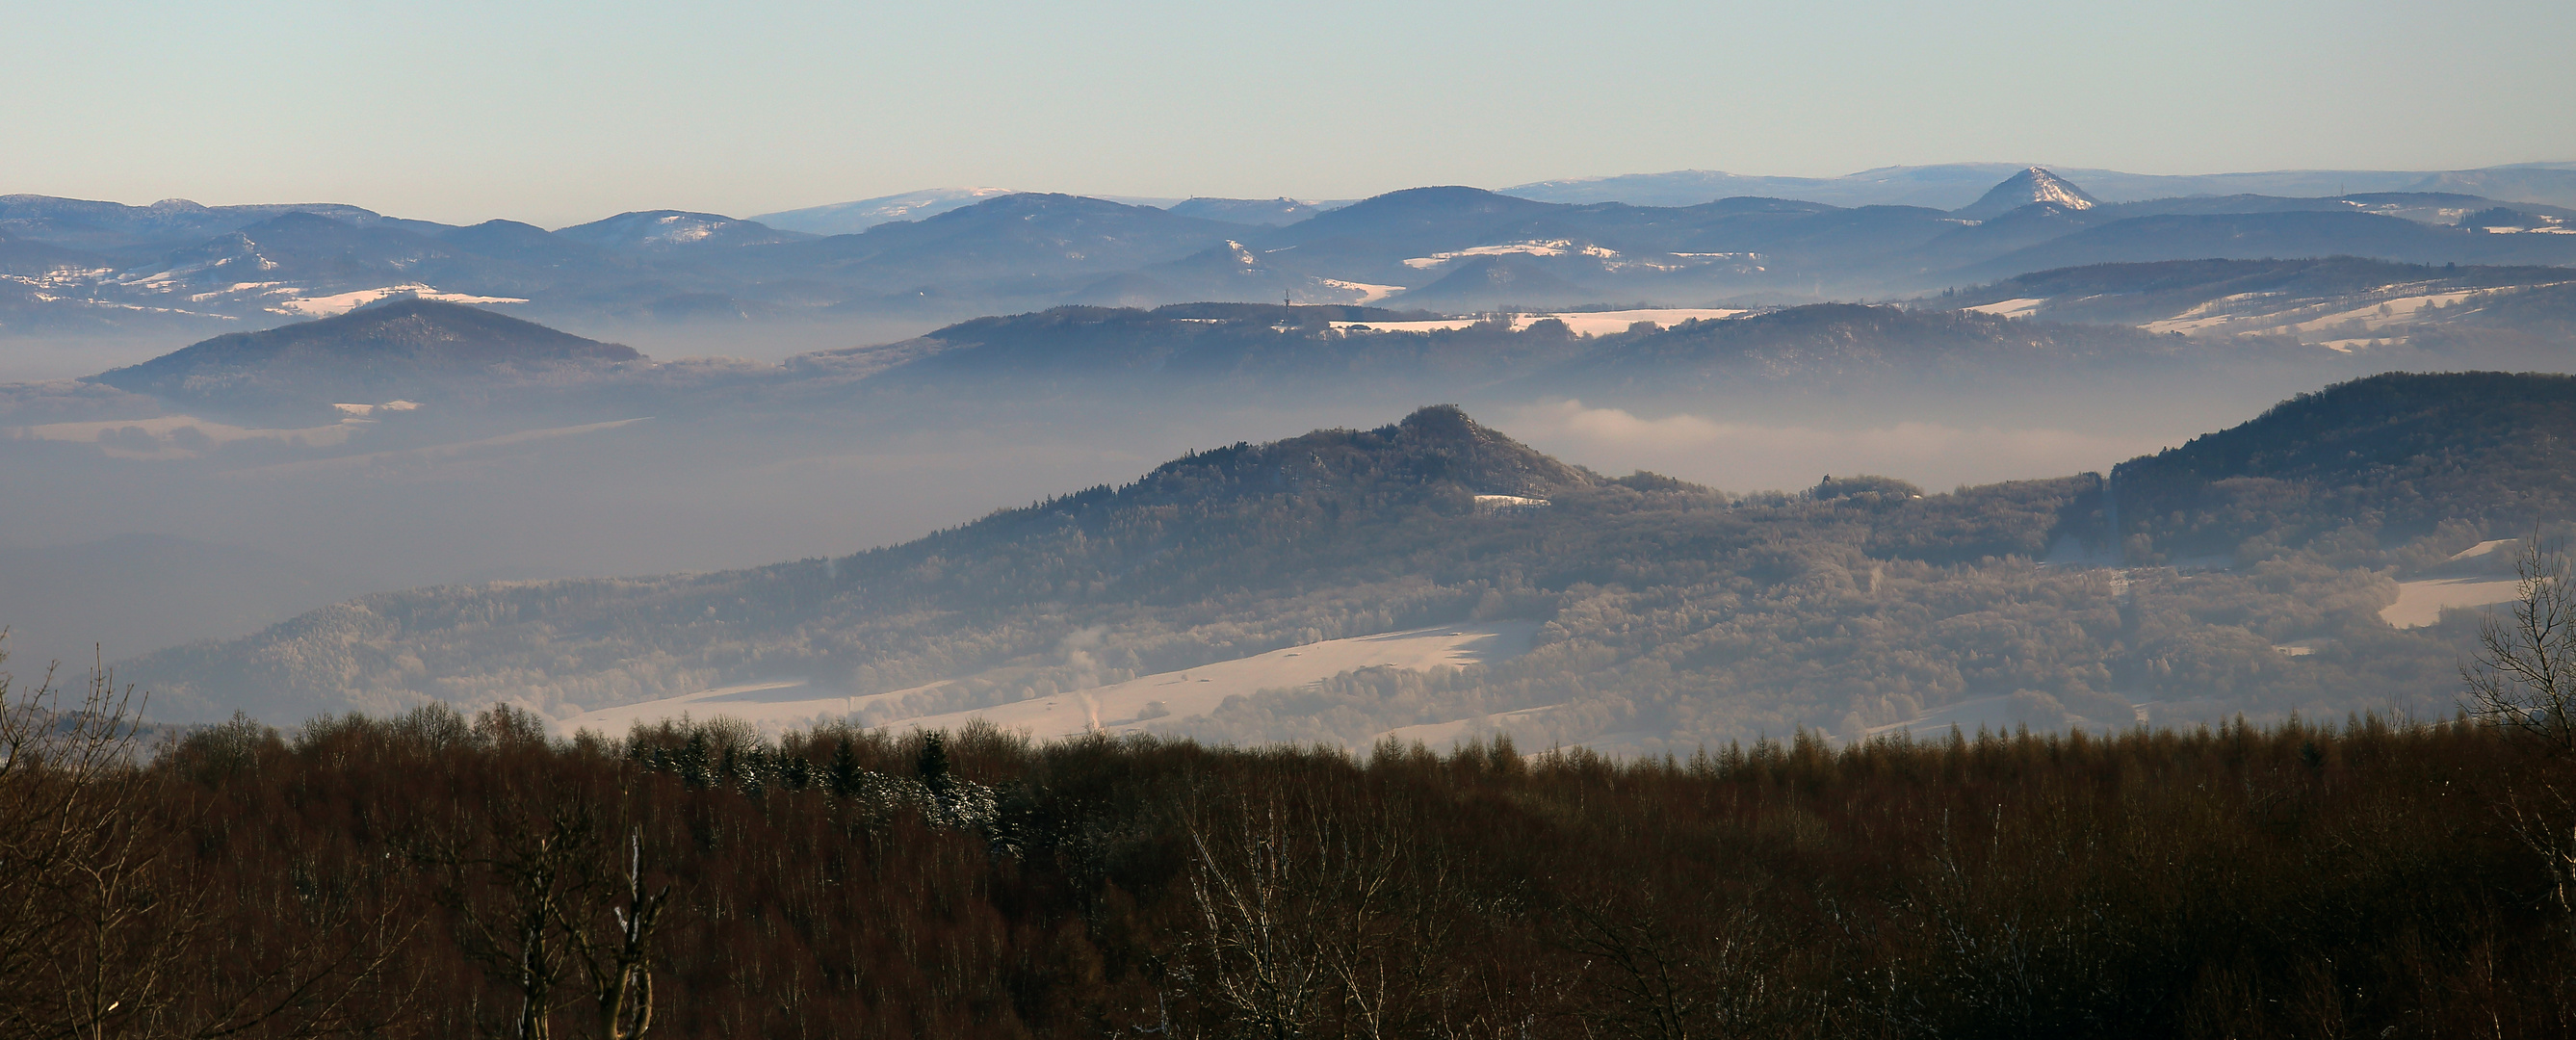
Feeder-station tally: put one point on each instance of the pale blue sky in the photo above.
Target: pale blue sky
(555, 113)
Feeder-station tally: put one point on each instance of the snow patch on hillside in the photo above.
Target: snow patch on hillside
(1129, 706)
(343, 303)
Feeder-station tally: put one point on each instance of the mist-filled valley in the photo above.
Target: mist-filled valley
(2186, 481)
(1325, 522)
(533, 484)
(288, 484)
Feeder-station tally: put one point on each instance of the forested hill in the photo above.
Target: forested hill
(1666, 613)
(403, 346)
(1806, 344)
(2391, 456)
(1212, 556)
(1841, 340)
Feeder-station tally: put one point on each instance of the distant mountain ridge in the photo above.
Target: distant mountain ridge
(1952, 185)
(1451, 247)
(850, 218)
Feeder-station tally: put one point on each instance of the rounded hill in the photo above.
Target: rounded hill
(389, 348)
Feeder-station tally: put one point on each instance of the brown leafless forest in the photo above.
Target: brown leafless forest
(435, 876)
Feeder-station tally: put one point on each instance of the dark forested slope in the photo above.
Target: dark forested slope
(2393, 456)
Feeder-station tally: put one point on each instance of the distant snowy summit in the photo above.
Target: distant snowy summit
(849, 218)
(661, 229)
(2033, 186)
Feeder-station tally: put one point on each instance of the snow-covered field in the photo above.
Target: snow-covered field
(1368, 292)
(2420, 603)
(1118, 707)
(1584, 323)
(343, 303)
(2011, 308)
(1551, 247)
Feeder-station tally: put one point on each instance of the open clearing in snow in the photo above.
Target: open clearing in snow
(1584, 323)
(2011, 308)
(343, 303)
(2420, 603)
(1116, 708)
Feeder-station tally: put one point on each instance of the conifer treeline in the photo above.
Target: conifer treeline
(434, 876)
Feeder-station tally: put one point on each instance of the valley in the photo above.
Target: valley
(372, 445)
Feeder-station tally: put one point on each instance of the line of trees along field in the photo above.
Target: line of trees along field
(430, 875)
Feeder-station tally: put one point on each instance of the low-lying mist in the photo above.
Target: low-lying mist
(248, 532)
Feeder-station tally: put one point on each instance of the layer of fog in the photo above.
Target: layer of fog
(234, 547)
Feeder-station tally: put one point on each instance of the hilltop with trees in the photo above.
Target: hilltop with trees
(1670, 615)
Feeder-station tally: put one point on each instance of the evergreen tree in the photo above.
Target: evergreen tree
(842, 777)
(933, 764)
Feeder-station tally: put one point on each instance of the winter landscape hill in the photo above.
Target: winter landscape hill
(406, 346)
(1640, 613)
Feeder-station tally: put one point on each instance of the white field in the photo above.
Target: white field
(1115, 708)
(1584, 323)
(2203, 315)
(1368, 292)
(343, 303)
(1444, 736)
(2011, 308)
(2400, 309)
(2485, 547)
(2420, 603)
(1551, 247)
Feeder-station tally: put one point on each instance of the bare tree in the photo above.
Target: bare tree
(1700, 973)
(1264, 965)
(1320, 918)
(620, 967)
(104, 932)
(76, 873)
(507, 887)
(2525, 675)
(532, 890)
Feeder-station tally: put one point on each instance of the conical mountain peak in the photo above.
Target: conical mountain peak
(2033, 186)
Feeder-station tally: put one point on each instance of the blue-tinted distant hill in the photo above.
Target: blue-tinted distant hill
(1015, 244)
(671, 229)
(404, 349)
(1263, 212)
(2277, 235)
(1458, 247)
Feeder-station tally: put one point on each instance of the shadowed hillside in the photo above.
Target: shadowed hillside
(374, 353)
(2390, 457)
